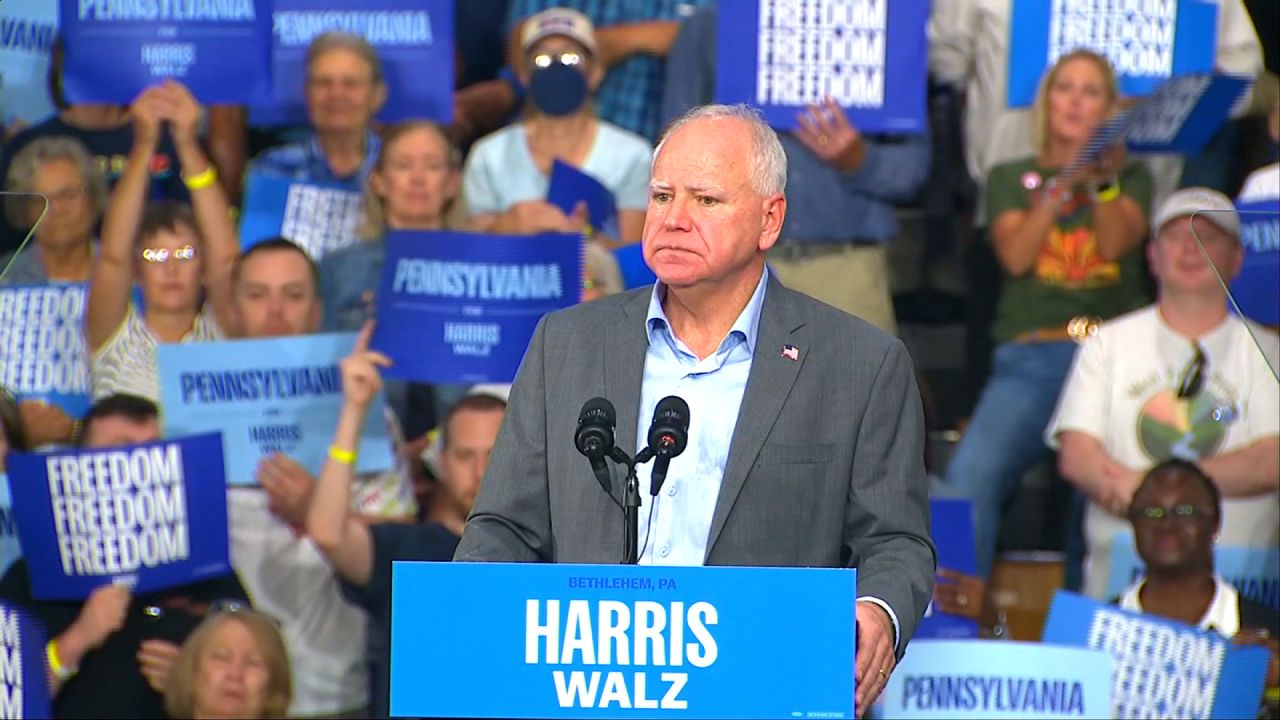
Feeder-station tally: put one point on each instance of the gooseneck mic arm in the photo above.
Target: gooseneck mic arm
(594, 438)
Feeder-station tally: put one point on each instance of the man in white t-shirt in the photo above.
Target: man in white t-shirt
(1182, 378)
(274, 295)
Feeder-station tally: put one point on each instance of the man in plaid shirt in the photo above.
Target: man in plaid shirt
(634, 36)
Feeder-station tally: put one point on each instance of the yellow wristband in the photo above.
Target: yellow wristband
(202, 180)
(346, 457)
(60, 671)
(1108, 193)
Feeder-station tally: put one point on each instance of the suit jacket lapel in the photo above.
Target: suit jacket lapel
(768, 385)
(625, 346)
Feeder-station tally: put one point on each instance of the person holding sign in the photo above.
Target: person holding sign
(411, 186)
(1066, 227)
(1184, 378)
(362, 553)
(806, 443)
(344, 90)
(1176, 515)
(53, 270)
(169, 249)
(275, 294)
(507, 173)
(93, 656)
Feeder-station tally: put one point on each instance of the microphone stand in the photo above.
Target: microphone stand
(631, 503)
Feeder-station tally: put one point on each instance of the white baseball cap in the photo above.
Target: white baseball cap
(1202, 202)
(559, 21)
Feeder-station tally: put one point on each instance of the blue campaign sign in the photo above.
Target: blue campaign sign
(952, 529)
(24, 682)
(1147, 43)
(152, 516)
(569, 186)
(319, 217)
(218, 49)
(587, 641)
(42, 348)
(635, 271)
(10, 548)
(1183, 114)
(1162, 668)
(867, 55)
(278, 395)
(981, 679)
(28, 29)
(1255, 289)
(1255, 572)
(414, 39)
(459, 307)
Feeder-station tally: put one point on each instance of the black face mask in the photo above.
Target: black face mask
(557, 89)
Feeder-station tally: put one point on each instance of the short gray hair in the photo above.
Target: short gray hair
(26, 165)
(327, 42)
(768, 161)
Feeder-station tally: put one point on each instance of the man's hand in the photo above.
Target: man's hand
(103, 614)
(875, 659)
(289, 487)
(156, 659)
(361, 379)
(45, 424)
(1115, 493)
(960, 594)
(826, 131)
(537, 216)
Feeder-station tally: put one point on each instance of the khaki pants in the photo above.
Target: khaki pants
(854, 278)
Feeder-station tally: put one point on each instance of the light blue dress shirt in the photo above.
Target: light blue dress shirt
(678, 520)
(675, 525)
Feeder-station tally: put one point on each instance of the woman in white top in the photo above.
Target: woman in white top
(507, 174)
(169, 250)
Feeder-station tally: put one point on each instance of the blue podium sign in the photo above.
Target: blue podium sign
(590, 641)
(986, 679)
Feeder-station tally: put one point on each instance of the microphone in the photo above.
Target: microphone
(668, 437)
(594, 438)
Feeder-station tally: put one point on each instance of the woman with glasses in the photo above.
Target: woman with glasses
(1176, 516)
(1067, 226)
(507, 175)
(180, 256)
(60, 169)
(235, 665)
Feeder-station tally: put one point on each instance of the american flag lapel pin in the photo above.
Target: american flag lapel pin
(791, 352)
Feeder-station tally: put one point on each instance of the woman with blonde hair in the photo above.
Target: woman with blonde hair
(1067, 226)
(234, 665)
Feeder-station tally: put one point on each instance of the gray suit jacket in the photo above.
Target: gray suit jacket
(825, 469)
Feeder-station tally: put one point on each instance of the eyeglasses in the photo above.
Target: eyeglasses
(1181, 511)
(544, 60)
(63, 196)
(1192, 380)
(160, 255)
(225, 605)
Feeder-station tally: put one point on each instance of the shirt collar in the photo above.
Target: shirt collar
(321, 165)
(746, 326)
(1222, 615)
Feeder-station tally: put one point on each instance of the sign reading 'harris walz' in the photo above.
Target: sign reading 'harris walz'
(578, 641)
(459, 307)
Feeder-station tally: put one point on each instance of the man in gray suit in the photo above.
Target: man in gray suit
(806, 436)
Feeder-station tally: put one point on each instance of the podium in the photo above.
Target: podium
(499, 640)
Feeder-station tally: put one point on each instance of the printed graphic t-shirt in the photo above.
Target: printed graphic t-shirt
(1070, 277)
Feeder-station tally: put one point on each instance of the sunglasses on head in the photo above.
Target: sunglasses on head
(1192, 380)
